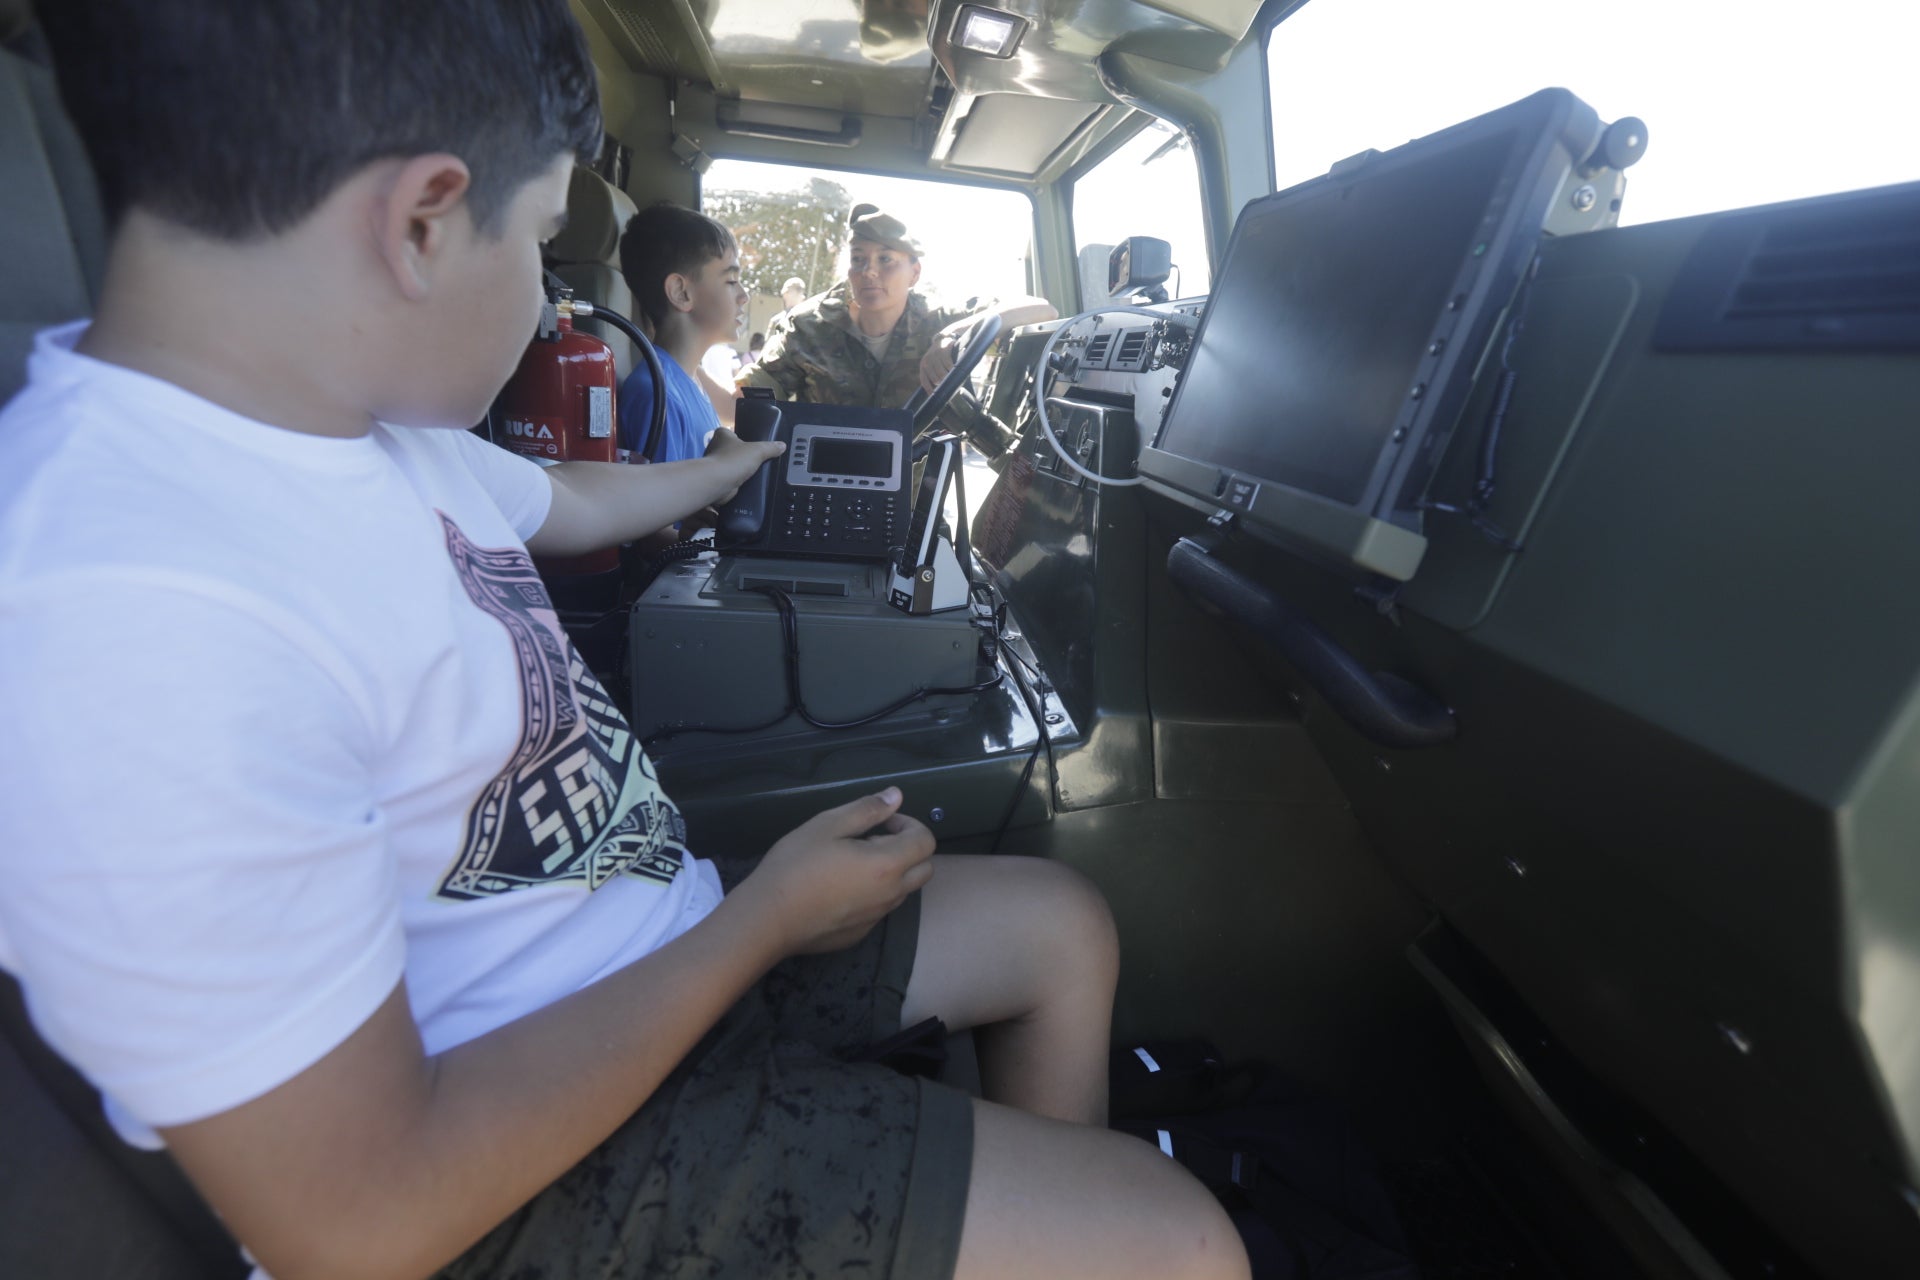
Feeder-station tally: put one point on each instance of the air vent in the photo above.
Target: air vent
(1839, 273)
(1798, 271)
(1097, 348)
(656, 52)
(1133, 349)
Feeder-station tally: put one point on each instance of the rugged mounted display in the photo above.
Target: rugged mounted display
(1348, 321)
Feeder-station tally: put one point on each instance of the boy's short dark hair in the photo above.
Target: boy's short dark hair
(238, 118)
(663, 240)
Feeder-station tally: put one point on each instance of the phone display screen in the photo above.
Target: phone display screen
(832, 457)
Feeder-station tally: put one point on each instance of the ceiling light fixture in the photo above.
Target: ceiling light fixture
(988, 31)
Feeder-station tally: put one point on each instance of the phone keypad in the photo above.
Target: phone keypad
(843, 521)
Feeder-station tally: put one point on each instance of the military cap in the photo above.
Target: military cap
(868, 222)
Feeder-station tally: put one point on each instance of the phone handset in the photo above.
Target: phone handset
(744, 516)
(928, 576)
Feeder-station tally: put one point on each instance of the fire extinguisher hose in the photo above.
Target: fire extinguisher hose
(657, 425)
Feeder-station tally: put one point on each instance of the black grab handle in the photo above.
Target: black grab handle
(1383, 707)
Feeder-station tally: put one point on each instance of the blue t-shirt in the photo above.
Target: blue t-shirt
(690, 415)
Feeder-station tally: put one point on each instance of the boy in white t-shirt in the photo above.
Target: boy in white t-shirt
(325, 858)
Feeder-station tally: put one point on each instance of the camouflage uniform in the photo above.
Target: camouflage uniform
(814, 353)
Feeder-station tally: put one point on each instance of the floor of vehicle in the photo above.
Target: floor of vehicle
(1482, 1205)
(1461, 1226)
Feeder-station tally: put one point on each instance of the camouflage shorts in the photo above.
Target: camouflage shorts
(763, 1155)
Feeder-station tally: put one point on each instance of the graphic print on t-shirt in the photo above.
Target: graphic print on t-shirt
(578, 799)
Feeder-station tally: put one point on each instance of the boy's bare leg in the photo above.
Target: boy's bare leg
(1024, 951)
(1055, 1201)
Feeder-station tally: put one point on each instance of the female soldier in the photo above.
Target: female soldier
(874, 338)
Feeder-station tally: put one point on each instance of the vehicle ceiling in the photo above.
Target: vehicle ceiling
(872, 58)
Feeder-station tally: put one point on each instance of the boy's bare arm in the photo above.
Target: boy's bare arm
(602, 504)
(379, 1163)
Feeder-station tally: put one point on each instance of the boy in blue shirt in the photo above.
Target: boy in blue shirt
(684, 270)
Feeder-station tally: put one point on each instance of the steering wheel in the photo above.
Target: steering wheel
(924, 407)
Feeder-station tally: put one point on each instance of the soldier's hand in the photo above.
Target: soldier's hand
(938, 362)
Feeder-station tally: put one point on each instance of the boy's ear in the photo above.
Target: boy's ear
(679, 291)
(414, 222)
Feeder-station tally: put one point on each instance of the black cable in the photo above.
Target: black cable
(1033, 757)
(657, 420)
(1019, 790)
(686, 549)
(790, 633)
(995, 643)
(1488, 463)
(992, 645)
(962, 548)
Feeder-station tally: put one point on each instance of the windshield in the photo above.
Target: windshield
(792, 223)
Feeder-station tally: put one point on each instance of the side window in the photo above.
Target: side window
(1744, 103)
(1149, 187)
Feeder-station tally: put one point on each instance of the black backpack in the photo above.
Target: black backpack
(1306, 1195)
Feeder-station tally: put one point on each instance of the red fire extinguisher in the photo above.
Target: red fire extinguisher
(560, 406)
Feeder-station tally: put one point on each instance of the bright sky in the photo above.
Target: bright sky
(977, 239)
(1149, 187)
(1745, 101)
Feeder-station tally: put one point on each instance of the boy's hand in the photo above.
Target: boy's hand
(824, 884)
(739, 459)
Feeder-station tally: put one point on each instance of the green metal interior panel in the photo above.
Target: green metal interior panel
(1651, 903)
(1274, 761)
(1055, 57)
(708, 648)
(1657, 1236)
(1573, 326)
(1068, 558)
(1766, 501)
(1270, 929)
(1880, 888)
(1013, 133)
(1678, 816)
(1221, 726)
(961, 777)
(865, 56)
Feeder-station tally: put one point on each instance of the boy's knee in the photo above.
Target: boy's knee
(1205, 1243)
(1197, 1239)
(1080, 920)
(1220, 1255)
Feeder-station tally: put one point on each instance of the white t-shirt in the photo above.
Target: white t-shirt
(287, 718)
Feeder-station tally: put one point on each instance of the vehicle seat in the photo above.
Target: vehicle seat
(74, 1199)
(53, 249)
(587, 256)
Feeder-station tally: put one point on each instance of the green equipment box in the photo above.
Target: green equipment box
(707, 648)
